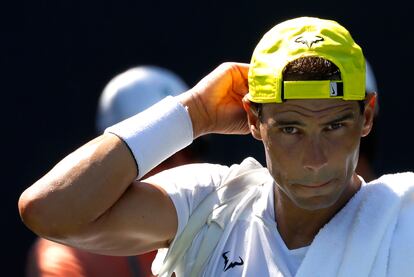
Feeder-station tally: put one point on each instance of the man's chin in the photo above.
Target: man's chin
(315, 203)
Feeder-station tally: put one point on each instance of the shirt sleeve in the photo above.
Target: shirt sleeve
(188, 185)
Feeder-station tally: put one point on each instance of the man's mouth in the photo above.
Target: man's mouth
(316, 185)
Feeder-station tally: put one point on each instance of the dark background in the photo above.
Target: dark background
(56, 57)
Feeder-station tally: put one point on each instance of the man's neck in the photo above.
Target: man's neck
(297, 226)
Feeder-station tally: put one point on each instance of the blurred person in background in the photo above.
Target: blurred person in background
(126, 94)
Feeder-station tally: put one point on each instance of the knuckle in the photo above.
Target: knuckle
(227, 66)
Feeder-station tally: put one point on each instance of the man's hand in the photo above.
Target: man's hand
(215, 103)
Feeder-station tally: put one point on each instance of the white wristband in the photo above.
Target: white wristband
(156, 133)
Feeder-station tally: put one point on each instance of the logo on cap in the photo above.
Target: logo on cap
(334, 89)
(309, 39)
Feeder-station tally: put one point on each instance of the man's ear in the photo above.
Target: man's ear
(369, 113)
(252, 118)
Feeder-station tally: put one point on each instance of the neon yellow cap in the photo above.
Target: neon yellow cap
(301, 37)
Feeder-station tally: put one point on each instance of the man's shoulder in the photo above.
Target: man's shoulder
(397, 190)
(401, 184)
(208, 170)
(247, 164)
(195, 181)
(402, 252)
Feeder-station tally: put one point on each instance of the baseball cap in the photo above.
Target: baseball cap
(301, 37)
(135, 90)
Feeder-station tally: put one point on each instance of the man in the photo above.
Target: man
(128, 93)
(309, 214)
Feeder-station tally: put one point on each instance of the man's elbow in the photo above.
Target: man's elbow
(35, 215)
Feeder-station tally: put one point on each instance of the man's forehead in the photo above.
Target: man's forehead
(311, 106)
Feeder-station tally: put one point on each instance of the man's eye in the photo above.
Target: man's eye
(289, 130)
(335, 126)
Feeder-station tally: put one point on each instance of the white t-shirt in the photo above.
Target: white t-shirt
(254, 247)
(370, 236)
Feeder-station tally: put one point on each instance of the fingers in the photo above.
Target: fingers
(216, 102)
(243, 68)
(241, 81)
(239, 76)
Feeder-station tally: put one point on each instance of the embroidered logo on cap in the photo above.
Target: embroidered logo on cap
(309, 39)
(333, 89)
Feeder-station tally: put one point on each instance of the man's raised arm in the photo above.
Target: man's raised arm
(91, 198)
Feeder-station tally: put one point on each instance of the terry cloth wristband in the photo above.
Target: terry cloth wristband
(156, 133)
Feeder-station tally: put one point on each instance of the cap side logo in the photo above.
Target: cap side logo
(333, 89)
(309, 39)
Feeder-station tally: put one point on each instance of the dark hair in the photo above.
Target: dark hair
(309, 68)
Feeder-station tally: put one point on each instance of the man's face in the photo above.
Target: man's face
(312, 148)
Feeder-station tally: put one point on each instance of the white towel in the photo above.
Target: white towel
(373, 235)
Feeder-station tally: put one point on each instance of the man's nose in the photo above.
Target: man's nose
(314, 156)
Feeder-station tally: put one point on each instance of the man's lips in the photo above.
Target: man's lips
(316, 185)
